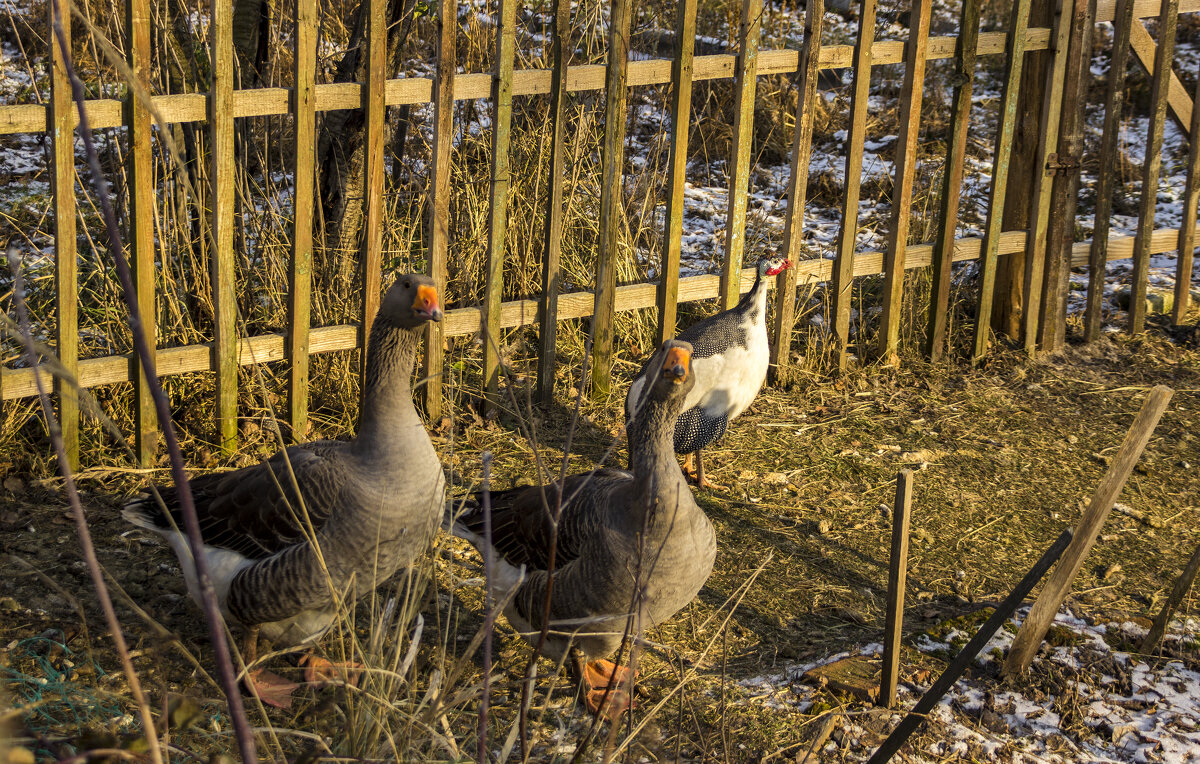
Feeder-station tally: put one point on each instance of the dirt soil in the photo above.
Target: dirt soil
(1005, 456)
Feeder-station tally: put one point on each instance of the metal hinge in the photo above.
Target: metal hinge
(1056, 167)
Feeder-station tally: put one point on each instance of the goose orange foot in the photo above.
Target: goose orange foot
(608, 688)
(270, 688)
(320, 670)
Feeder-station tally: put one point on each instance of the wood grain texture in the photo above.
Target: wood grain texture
(897, 574)
(744, 90)
(299, 316)
(681, 123)
(375, 146)
(1108, 179)
(1178, 100)
(1158, 628)
(793, 224)
(912, 90)
(1041, 615)
(1187, 231)
(843, 276)
(951, 192)
(1002, 155)
(1152, 165)
(223, 181)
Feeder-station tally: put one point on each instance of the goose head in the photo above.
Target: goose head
(410, 302)
(773, 265)
(672, 370)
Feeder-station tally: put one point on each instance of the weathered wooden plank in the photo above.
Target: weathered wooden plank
(1177, 97)
(1002, 155)
(498, 200)
(1158, 627)
(1066, 183)
(843, 277)
(66, 262)
(960, 125)
(560, 56)
(897, 573)
(681, 122)
(141, 223)
(1153, 164)
(1041, 615)
(793, 224)
(1187, 231)
(616, 109)
(1108, 180)
(912, 91)
(745, 88)
(223, 182)
(374, 140)
(439, 199)
(299, 316)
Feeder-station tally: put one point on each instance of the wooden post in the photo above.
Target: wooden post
(990, 247)
(681, 106)
(897, 572)
(1056, 589)
(560, 58)
(439, 198)
(909, 723)
(1180, 105)
(616, 109)
(911, 94)
(1187, 230)
(371, 253)
(223, 181)
(1066, 185)
(793, 225)
(61, 125)
(745, 87)
(956, 152)
(1040, 215)
(1182, 584)
(1108, 179)
(304, 113)
(498, 201)
(843, 264)
(1152, 165)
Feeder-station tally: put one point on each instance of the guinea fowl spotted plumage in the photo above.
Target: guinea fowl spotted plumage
(627, 542)
(371, 505)
(730, 358)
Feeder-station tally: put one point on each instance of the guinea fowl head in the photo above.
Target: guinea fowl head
(773, 265)
(410, 302)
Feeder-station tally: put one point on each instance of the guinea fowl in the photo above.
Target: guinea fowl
(627, 543)
(730, 360)
(371, 504)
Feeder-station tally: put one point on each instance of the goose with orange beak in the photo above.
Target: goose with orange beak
(631, 548)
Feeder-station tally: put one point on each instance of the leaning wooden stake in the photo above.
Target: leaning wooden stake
(1051, 598)
(1159, 627)
(909, 724)
(1187, 231)
(895, 602)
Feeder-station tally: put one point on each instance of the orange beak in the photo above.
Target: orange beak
(426, 303)
(676, 364)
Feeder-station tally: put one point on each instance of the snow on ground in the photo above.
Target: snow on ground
(1085, 701)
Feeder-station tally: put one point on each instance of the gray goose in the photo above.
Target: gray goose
(730, 362)
(374, 502)
(616, 527)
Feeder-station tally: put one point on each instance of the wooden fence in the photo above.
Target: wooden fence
(1048, 242)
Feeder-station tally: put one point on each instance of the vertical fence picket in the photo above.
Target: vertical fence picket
(439, 197)
(843, 264)
(61, 118)
(681, 110)
(745, 88)
(304, 157)
(990, 247)
(912, 92)
(371, 254)
(956, 154)
(498, 205)
(1153, 163)
(1066, 182)
(616, 108)
(1108, 179)
(1187, 229)
(552, 240)
(222, 180)
(793, 225)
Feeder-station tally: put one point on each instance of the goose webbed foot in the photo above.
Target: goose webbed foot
(267, 686)
(608, 688)
(319, 670)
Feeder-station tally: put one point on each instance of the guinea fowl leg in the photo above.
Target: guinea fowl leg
(701, 481)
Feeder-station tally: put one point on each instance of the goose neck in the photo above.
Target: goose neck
(386, 401)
